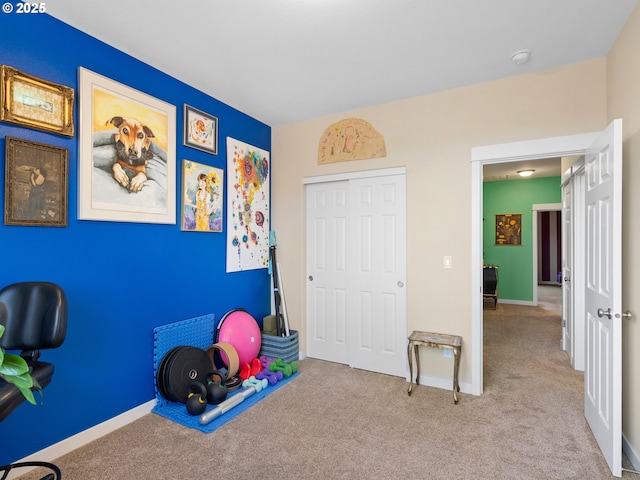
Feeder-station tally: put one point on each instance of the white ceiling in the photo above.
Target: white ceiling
(283, 61)
(548, 167)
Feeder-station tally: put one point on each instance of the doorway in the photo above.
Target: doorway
(603, 160)
(534, 150)
(547, 247)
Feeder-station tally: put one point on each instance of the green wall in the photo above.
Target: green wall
(515, 272)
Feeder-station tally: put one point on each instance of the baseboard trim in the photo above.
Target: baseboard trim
(631, 453)
(82, 438)
(516, 302)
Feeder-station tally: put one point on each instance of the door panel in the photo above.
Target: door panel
(327, 284)
(378, 318)
(603, 372)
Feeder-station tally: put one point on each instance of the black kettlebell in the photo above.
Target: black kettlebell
(197, 398)
(216, 389)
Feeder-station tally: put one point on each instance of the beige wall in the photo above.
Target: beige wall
(623, 95)
(432, 136)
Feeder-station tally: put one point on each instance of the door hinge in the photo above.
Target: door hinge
(564, 323)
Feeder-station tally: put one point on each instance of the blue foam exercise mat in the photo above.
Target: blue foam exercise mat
(178, 411)
(196, 332)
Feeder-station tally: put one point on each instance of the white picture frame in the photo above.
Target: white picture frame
(110, 113)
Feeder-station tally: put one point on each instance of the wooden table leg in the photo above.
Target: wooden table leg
(416, 348)
(409, 354)
(456, 365)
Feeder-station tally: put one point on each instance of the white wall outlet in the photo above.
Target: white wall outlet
(446, 353)
(447, 262)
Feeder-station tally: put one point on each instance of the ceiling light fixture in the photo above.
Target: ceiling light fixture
(520, 56)
(526, 173)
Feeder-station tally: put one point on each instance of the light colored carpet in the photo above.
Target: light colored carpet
(334, 422)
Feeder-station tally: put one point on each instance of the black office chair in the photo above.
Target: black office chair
(34, 315)
(490, 284)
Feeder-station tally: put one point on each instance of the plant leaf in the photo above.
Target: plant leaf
(20, 381)
(1, 354)
(28, 394)
(13, 365)
(2, 327)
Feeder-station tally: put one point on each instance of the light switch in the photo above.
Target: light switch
(447, 262)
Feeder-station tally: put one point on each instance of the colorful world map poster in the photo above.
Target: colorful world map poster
(248, 201)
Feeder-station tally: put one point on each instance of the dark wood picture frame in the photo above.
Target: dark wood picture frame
(509, 229)
(200, 130)
(36, 184)
(29, 101)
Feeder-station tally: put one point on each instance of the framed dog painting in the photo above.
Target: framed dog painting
(127, 161)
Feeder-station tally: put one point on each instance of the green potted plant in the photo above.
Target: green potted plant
(14, 369)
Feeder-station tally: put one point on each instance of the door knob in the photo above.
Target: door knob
(311, 278)
(626, 315)
(603, 313)
(400, 284)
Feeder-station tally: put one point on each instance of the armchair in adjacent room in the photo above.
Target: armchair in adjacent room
(490, 283)
(34, 315)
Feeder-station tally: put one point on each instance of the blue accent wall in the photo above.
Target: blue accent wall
(122, 279)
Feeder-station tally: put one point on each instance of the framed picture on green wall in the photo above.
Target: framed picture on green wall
(509, 229)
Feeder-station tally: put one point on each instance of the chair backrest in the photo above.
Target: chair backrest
(489, 280)
(34, 315)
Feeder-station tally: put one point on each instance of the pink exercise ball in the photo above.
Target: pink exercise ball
(242, 331)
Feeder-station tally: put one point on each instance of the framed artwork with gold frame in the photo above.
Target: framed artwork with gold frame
(509, 229)
(31, 102)
(36, 184)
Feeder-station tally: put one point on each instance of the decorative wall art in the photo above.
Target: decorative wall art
(350, 139)
(200, 130)
(36, 183)
(248, 203)
(29, 101)
(509, 229)
(127, 162)
(202, 188)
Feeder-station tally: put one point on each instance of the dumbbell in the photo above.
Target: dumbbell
(286, 369)
(272, 377)
(254, 382)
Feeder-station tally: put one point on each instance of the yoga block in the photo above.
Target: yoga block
(285, 348)
(269, 323)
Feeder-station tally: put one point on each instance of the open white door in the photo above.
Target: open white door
(603, 369)
(567, 266)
